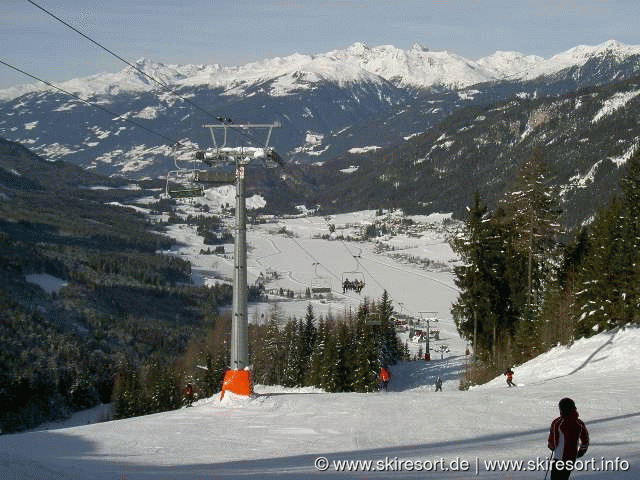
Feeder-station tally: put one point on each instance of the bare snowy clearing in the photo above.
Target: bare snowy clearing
(48, 283)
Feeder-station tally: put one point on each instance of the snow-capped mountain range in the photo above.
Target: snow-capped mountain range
(335, 109)
(416, 67)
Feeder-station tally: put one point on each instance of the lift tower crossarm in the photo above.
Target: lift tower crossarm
(225, 127)
(239, 155)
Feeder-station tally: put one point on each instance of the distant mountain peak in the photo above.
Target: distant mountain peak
(577, 57)
(417, 47)
(506, 64)
(611, 43)
(583, 52)
(144, 62)
(358, 48)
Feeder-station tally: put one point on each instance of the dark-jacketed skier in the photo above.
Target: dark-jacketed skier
(438, 384)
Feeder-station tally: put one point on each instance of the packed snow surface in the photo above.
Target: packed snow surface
(289, 433)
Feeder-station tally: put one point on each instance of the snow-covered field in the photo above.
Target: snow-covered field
(292, 249)
(409, 432)
(48, 283)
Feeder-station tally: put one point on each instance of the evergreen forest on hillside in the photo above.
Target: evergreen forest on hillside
(337, 354)
(527, 285)
(124, 305)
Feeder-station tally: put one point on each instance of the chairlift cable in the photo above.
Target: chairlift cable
(383, 287)
(351, 253)
(362, 267)
(334, 275)
(435, 280)
(164, 85)
(315, 260)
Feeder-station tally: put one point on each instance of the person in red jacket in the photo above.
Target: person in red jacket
(509, 374)
(188, 395)
(568, 439)
(383, 377)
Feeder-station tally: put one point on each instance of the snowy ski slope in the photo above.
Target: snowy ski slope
(288, 433)
(284, 433)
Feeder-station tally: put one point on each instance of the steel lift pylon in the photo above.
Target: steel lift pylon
(238, 378)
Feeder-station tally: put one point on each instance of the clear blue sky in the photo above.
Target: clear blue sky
(234, 32)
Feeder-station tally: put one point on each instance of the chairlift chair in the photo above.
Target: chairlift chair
(319, 284)
(181, 182)
(186, 192)
(214, 177)
(353, 281)
(186, 189)
(373, 318)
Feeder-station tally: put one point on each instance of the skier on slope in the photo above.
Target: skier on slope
(383, 377)
(509, 374)
(438, 384)
(568, 440)
(188, 395)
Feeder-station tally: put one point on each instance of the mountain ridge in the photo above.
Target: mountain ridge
(326, 124)
(586, 138)
(416, 67)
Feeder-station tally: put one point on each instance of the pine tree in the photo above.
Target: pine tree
(308, 335)
(609, 277)
(340, 350)
(484, 310)
(119, 396)
(531, 207)
(406, 354)
(469, 246)
(130, 400)
(365, 361)
(83, 393)
(210, 382)
(274, 354)
(631, 266)
(296, 361)
(390, 348)
(331, 361)
(164, 389)
(303, 350)
(596, 282)
(556, 322)
(289, 378)
(318, 373)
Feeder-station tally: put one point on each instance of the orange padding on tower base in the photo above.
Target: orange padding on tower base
(238, 382)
